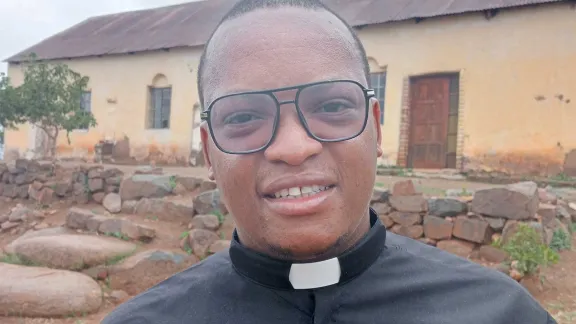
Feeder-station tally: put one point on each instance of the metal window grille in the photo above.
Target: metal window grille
(159, 116)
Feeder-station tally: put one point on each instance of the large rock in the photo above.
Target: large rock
(406, 219)
(209, 203)
(141, 271)
(437, 228)
(53, 231)
(413, 232)
(472, 229)
(180, 209)
(457, 247)
(113, 203)
(190, 183)
(446, 207)
(380, 195)
(409, 204)
(200, 241)
(493, 254)
(403, 188)
(72, 252)
(22, 214)
(145, 186)
(208, 222)
(517, 202)
(511, 228)
(43, 292)
(77, 218)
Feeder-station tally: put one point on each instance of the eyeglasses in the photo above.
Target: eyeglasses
(329, 111)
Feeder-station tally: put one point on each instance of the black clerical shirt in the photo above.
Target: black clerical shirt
(386, 278)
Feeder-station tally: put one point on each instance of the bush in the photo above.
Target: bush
(528, 250)
(561, 241)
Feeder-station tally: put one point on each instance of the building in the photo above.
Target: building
(462, 83)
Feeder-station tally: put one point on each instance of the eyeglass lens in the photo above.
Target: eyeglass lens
(331, 111)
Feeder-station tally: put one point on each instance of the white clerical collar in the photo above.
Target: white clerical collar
(315, 275)
(285, 275)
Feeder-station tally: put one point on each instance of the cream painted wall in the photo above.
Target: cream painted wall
(120, 102)
(505, 63)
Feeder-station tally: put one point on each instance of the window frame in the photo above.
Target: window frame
(378, 83)
(159, 112)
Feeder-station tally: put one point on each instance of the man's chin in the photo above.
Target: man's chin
(301, 247)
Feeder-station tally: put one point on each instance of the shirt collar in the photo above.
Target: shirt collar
(286, 275)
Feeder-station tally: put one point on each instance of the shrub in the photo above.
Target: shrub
(528, 250)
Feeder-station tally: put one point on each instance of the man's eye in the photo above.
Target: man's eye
(240, 118)
(333, 107)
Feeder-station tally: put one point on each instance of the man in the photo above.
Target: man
(292, 138)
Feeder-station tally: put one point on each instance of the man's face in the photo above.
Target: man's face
(275, 48)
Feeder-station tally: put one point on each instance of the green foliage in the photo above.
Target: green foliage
(561, 241)
(118, 235)
(49, 98)
(16, 260)
(220, 216)
(172, 182)
(528, 250)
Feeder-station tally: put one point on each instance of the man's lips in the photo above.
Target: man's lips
(299, 195)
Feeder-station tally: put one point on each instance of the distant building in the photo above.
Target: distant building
(470, 83)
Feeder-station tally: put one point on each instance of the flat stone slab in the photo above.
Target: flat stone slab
(72, 252)
(43, 292)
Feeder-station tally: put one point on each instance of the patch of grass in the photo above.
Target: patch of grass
(118, 235)
(221, 217)
(561, 241)
(152, 217)
(172, 182)
(379, 184)
(497, 243)
(16, 260)
(184, 234)
(118, 258)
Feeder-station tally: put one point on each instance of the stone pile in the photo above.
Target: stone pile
(20, 219)
(47, 182)
(468, 225)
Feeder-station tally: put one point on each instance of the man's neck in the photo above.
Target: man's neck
(344, 243)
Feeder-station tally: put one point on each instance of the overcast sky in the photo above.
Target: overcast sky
(24, 23)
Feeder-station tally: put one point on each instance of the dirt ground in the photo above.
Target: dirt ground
(558, 296)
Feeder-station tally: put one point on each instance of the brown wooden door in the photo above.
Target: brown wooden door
(429, 109)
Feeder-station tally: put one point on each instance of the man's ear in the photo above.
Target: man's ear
(205, 136)
(376, 113)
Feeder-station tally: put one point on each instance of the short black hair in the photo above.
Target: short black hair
(245, 6)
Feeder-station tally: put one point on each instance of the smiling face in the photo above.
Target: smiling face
(298, 199)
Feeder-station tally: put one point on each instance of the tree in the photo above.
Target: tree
(49, 98)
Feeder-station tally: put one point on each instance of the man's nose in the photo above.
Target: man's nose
(292, 145)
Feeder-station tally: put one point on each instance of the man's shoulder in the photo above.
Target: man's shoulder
(199, 285)
(460, 285)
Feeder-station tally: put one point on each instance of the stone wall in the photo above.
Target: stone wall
(468, 224)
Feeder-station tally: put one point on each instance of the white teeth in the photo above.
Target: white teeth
(297, 192)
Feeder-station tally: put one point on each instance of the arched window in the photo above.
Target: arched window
(160, 99)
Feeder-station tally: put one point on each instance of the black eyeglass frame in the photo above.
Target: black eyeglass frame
(368, 94)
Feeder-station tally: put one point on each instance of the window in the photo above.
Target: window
(159, 115)
(86, 105)
(378, 83)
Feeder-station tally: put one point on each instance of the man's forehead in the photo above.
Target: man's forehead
(269, 48)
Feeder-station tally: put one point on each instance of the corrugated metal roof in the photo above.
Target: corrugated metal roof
(191, 24)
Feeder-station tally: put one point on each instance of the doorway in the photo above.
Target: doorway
(433, 130)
